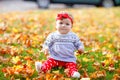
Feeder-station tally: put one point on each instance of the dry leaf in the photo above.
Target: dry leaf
(85, 79)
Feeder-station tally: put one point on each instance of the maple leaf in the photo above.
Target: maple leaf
(85, 59)
(118, 71)
(4, 60)
(48, 76)
(2, 27)
(28, 43)
(3, 51)
(96, 65)
(28, 58)
(85, 79)
(30, 51)
(15, 60)
(116, 77)
(9, 71)
(46, 33)
(98, 74)
(67, 72)
(111, 68)
(19, 33)
(85, 74)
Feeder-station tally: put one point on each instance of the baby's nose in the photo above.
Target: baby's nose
(63, 25)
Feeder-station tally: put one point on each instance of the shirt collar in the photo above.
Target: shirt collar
(63, 34)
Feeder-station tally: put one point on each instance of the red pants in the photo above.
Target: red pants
(50, 63)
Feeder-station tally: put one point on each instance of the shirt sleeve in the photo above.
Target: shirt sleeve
(48, 42)
(78, 44)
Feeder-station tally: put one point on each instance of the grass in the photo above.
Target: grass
(98, 31)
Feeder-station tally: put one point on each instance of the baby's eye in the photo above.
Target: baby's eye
(61, 23)
(67, 24)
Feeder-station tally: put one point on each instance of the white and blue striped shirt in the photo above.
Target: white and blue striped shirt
(62, 46)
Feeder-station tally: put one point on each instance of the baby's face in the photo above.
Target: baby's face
(63, 26)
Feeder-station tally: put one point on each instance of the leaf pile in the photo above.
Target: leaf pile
(22, 34)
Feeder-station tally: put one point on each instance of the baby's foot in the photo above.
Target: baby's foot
(38, 66)
(76, 75)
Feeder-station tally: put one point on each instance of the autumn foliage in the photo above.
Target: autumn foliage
(22, 34)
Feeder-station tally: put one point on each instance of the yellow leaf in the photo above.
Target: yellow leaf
(56, 72)
(85, 79)
(85, 59)
(67, 78)
(28, 78)
(15, 59)
(15, 30)
(110, 55)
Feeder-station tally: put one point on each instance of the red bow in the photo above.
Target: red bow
(65, 15)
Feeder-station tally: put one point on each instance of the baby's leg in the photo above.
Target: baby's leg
(49, 64)
(73, 72)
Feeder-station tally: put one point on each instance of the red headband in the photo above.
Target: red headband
(64, 15)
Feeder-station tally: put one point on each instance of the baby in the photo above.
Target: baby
(61, 46)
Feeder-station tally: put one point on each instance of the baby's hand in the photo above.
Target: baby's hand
(80, 51)
(46, 53)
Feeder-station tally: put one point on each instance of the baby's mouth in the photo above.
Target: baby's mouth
(63, 29)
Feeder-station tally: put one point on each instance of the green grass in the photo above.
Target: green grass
(98, 28)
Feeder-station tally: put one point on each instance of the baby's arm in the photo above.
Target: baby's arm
(48, 43)
(79, 46)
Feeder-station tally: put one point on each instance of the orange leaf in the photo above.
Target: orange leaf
(116, 77)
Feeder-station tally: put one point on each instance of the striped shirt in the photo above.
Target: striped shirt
(62, 46)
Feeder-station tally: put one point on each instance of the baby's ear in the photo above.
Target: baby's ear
(56, 27)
